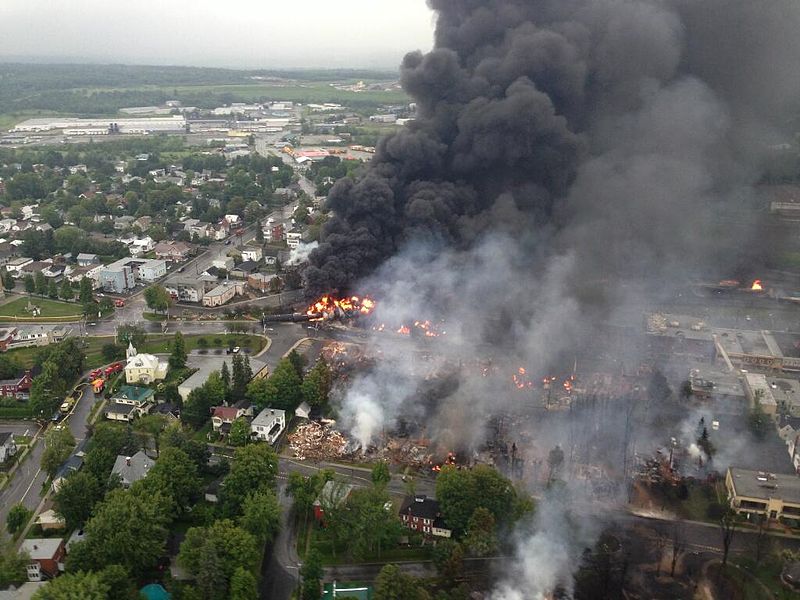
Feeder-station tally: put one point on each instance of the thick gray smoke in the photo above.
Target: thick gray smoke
(569, 158)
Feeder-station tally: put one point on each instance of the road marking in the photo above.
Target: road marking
(21, 500)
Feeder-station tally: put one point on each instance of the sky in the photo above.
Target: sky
(216, 33)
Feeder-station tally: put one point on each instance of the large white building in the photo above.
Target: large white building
(102, 125)
(144, 368)
(268, 425)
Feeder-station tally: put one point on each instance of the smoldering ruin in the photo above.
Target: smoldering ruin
(572, 165)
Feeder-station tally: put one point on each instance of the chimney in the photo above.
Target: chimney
(128, 460)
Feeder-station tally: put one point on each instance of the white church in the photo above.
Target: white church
(144, 368)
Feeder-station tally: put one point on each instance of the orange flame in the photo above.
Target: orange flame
(756, 287)
(328, 307)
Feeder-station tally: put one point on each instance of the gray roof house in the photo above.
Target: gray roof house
(132, 468)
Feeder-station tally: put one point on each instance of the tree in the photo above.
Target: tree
(317, 384)
(128, 528)
(12, 565)
(242, 374)
(261, 516)
(380, 474)
(758, 421)
(280, 390)
(448, 556)
(554, 461)
(371, 526)
(17, 518)
(76, 497)
(177, 359)
(175, 437)
(481, 538)
(71, 586)
(311, 572)
(30, 283)
(149, 427)
(254, 468)
(727, 527)
(175, 476)
(678, 546)
(298, 363)
(52, 289)
(221, 547)
(58, 445)
(304, 490)
(225, 375)
(244, 585)
(9, 283)
(86, 293)
(197, 408)
(393, 584)
(40, 282)
(66, 292)
(704, 443)
(112, 352)
(240, 432)
(157, 298)
(131, 334)
(460, 492)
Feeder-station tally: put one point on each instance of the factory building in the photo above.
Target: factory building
(103, 125)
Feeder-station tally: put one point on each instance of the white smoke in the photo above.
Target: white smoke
(300, 254)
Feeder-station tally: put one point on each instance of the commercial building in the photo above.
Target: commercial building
(759, 391)
(122, 275)
(222, 293)
(207, 365)
(152, 270)
(103, 125)
(775, 496)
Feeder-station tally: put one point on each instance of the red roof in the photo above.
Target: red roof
(226, 413)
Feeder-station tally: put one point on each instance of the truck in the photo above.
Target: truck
(119, 303)
(111, 369)
(95, 374)
(98, 385)
(66, 405)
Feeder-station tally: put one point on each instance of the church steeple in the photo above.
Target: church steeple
(131, 351)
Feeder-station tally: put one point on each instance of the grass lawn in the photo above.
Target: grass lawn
(162, 344)
(768, 573)
(738, 585)
(321, 541)
(51, 310)
(93, 350)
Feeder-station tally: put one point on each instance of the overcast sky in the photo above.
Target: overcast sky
(227, 33)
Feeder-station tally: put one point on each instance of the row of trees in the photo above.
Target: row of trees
(126, 530)
(61, 365)
(289, 385)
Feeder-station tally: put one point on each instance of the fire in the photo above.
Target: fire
(521, 380)
(404, 330)
(756, 287)
(329, 307)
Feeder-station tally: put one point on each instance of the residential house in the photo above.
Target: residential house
(188, 289)
(130, 402)
(73, 464)
(143, 368)
(8, 447)
(422, 514)
(268, 425)
(223, 416)
(116, 278)
(31, 337)
(17, 388)
(47, 557)
(15, 265)
(6, 225)
(223, 262)
(252, 253)
(143, 223)
(222, 293)
(333, 496)
(244, 269)
(87, 260)
(49, 520)
(141, 246)
(173, 251)
(775, 496)
(293, 238)
(274, 232)
(263, 282)
(152, 270)
(123, 223)
(131, 469)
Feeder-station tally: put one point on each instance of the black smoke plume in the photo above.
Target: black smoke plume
(622, 129)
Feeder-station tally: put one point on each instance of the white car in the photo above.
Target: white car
(236, 350)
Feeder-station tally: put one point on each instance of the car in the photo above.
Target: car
(236, 349)
(180, 270)
(227, 242)
(92, 324)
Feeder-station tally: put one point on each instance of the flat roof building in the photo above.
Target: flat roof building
(775, 496)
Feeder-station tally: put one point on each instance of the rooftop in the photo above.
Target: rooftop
(268, 415)
(420, 506)
(41, 548)
(134, 393)
(132, 468)
(763, 485)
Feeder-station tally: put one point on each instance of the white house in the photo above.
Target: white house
(268, 425)
(144, 368)
(8, 446)
(152, 270)
(254, 253)
(141, 246)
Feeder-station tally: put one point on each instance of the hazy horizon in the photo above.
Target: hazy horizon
(244, 34)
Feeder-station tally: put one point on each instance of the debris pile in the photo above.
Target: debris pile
(317, 441)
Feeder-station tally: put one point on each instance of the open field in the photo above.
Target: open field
(50, 310)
